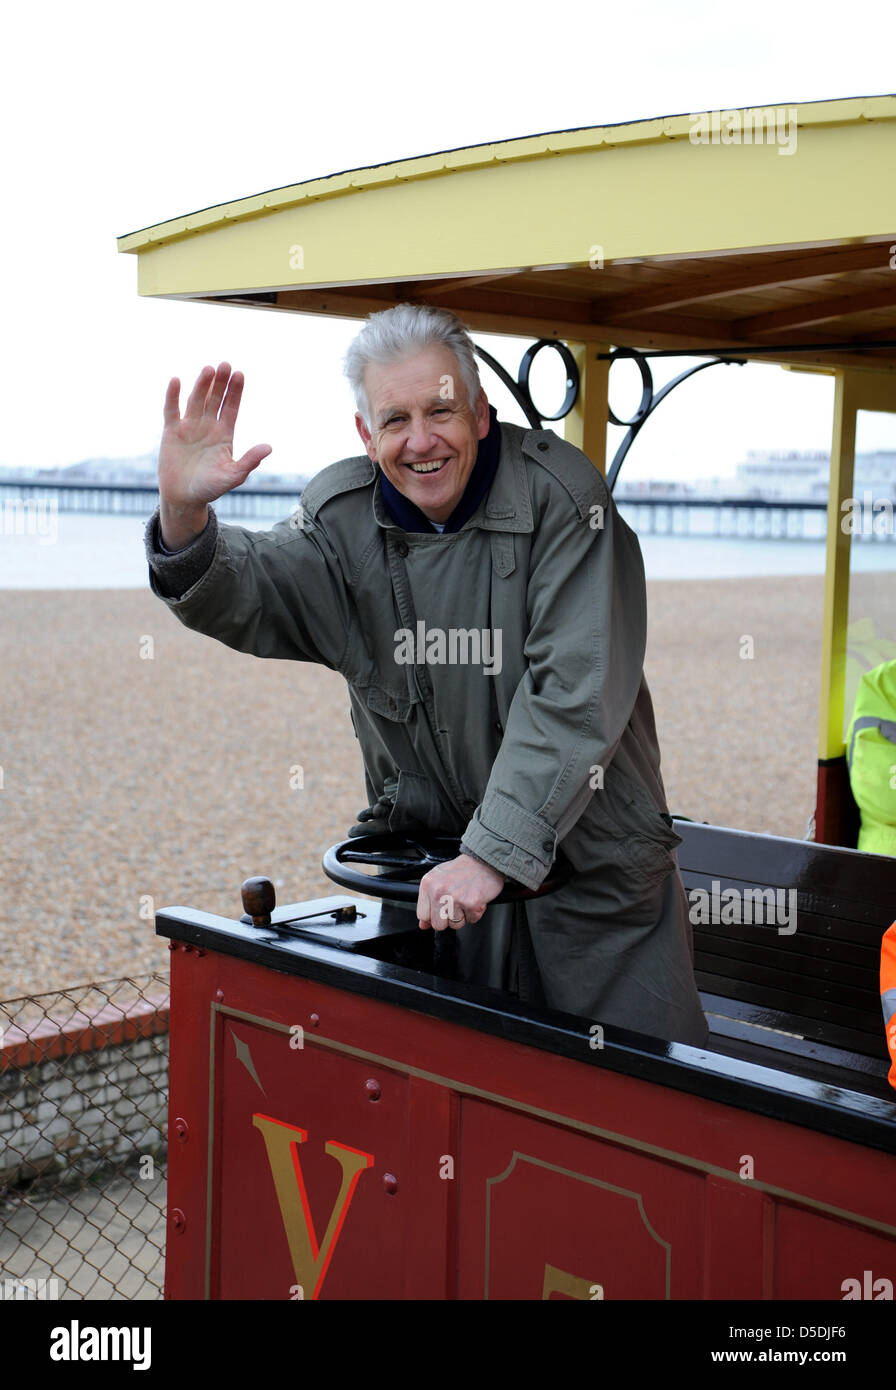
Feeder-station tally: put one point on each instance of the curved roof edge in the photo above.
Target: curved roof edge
(843, 111)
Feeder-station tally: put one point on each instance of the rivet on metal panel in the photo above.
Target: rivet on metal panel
(390, 1183)
(219, 995)
(181, 1129)
(315, 1020)
(178, 1221)
(374, 1089)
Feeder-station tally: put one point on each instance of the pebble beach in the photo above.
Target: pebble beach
(145, 766)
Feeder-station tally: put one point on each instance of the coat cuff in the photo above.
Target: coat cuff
(174, 572)
(513, 841)
(465, 849)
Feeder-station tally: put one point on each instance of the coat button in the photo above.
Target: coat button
(547, 844)
(543, 445)
(402, 548)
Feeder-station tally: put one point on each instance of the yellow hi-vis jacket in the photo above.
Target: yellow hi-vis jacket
(871, 756)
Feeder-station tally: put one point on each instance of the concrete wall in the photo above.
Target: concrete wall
(80, 1094)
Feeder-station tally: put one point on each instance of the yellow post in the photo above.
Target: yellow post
(586, 424)
(836, 584)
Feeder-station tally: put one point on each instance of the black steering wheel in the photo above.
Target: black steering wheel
(403, 861)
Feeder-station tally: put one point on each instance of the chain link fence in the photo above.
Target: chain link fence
(83, 1113)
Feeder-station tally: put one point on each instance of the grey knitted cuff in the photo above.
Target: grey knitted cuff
(177, 571)
(480, 860)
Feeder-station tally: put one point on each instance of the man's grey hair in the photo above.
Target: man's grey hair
(396, 333)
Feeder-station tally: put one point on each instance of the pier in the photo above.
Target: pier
(738, 517)
(135, 499)
(746, 518)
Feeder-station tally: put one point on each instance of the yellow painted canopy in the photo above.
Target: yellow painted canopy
(763, 231)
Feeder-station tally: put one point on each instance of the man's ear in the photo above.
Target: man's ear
(366, 437)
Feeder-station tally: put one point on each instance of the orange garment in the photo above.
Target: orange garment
(888, 994)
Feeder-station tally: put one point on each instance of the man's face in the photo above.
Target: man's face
(423, 432)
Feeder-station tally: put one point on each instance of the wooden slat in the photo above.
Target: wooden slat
(814, 937)
(810, 310)
(796, 993)
(832, 919)
(734, 1033)
(864, 976)
(839, 1028)
(761, 274)
(851, 883)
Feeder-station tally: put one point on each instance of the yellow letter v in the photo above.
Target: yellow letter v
(309, 1261)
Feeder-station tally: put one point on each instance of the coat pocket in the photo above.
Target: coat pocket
(647, 861)
(389, 704)
(622, 809)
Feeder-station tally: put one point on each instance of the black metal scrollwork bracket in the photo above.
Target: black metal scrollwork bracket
(650, 399)
(519, 389)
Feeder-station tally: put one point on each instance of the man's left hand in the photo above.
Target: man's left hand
(456, 893)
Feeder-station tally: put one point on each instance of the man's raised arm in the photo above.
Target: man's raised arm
(279, 593)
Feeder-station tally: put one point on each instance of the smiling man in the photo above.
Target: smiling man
(458, 527)
(425, 441)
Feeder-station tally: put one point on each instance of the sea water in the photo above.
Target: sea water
(83, 551)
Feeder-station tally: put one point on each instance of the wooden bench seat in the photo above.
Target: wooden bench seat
(812, 992)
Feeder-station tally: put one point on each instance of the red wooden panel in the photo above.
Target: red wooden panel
(648, 1205)
(798, 1160)
(815, 1256)
(278, 1110)
(547, 1212)
(187, 1141)
(739, 1238)
(429, 1192)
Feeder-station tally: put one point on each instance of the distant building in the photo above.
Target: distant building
(633, 489)
(108, 471)
(141, 471)
(138, 470)
(796, 475)
(772, 474)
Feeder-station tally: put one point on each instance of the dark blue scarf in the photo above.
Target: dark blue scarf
(410, 518)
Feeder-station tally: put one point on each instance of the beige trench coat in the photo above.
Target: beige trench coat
(496, 674)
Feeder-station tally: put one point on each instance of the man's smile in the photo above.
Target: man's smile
(430, 466)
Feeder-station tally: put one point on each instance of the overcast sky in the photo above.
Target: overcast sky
(116, 117)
